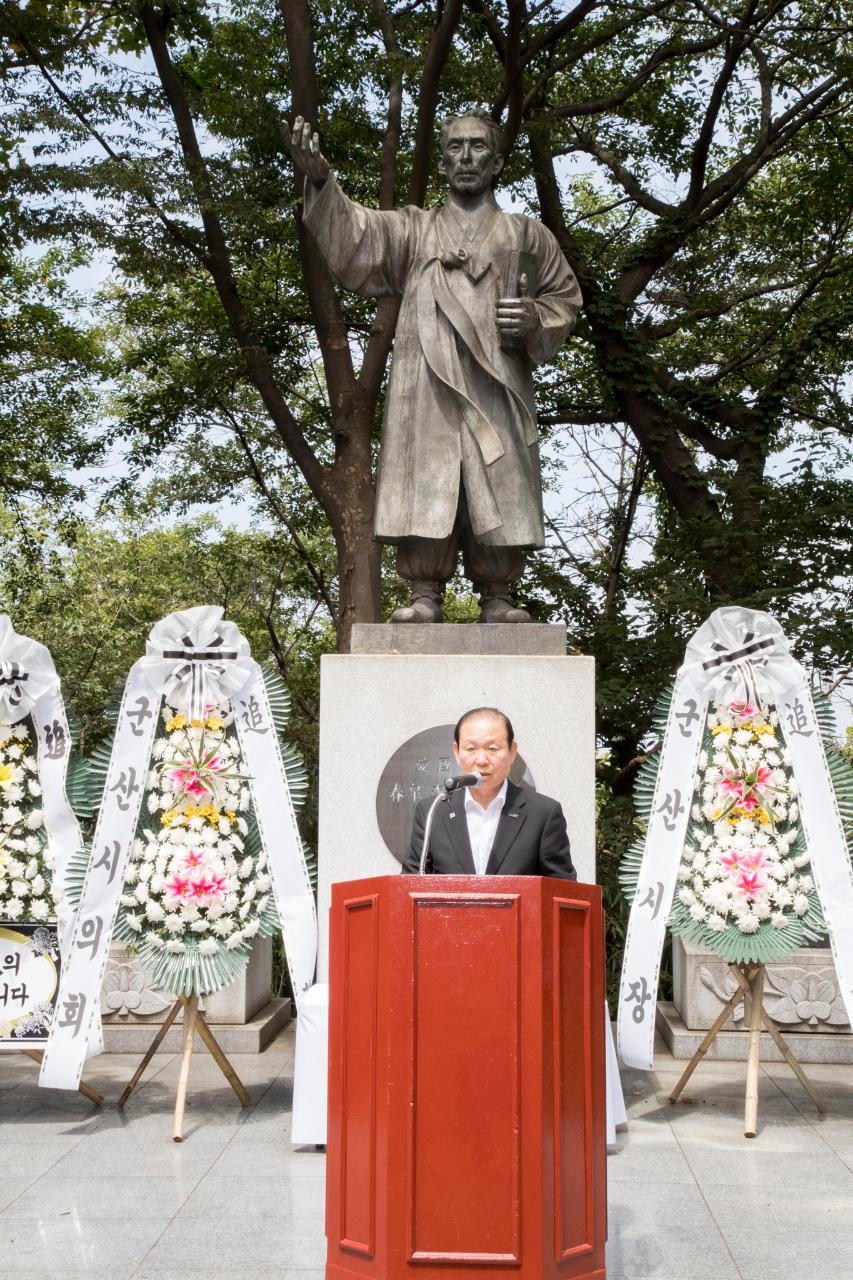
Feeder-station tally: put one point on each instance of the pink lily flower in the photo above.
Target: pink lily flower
(179, 888)
(194, 858)
(201, 888)
(750, 883)
(731, 860)
(754, 861)
(742, 709)
(732, 785)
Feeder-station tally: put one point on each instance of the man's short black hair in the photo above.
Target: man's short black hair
(489, 711)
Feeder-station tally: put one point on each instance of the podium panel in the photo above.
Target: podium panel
(466, 1080)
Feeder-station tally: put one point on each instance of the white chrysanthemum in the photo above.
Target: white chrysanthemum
(782, 896)
(152, 801)
(698, 912)
(154, 940)
(20, 888)
(802, 860)
(232, 901)
(154, 910)
(223, 926)
(176, 947)
(33, 787)
(38, 886)
(261, 903)
(805, 886)
(794, 812)
(243, 826)
(13, 815)
(34, 819)
(742, 737)
(224, 826)
(39, 909)
(696, 813)
(200, 926)
(778, 919)
(716, 922)
(234, 941)
(684, 872)
(14, 867)
(141, 892)
(250, 929)
(32, 844)
(208, 947)
(173, 923)
(686, 896)
(801, 904)
(747, 923)
(762, 908)
(133, 922)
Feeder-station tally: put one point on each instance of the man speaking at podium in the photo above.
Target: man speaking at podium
(495, 827)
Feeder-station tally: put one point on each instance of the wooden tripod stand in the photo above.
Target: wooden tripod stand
(193, 1019)
(750, 979)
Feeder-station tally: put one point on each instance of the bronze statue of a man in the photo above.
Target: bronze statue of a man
(485, 296)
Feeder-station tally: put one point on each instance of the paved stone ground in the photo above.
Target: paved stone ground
(101, 1194)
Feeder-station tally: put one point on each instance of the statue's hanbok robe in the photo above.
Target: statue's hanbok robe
(460, 405)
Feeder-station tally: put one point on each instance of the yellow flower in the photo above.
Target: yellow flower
(215, 723)
(168, 819)
(230, 815)
(6, 774)
(720, 728)
(197, 724)
(176, 722)
(759, 729)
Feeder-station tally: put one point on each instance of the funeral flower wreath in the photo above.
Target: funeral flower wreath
(744, 885)
(197, 888)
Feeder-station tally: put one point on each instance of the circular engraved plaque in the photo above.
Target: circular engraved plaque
(417, 769)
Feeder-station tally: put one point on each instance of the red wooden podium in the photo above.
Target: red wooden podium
(466, 1079)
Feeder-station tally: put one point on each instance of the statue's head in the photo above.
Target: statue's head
(472, 151)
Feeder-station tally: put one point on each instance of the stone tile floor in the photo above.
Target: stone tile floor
(96, 1193)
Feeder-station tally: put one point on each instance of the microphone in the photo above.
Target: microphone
(463, 780)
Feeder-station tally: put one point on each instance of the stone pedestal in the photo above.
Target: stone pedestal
(391, 687)
(243, 1016)
(801, 994)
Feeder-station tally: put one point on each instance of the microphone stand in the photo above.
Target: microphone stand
(450, 785)
(442, 797)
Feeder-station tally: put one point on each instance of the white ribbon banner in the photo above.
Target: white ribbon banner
(29, 686)
(737, 654)
(193, 659)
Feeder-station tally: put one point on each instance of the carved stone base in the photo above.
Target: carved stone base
(250, 1037)
(801, 993)
(128, 999)
(732, 1046)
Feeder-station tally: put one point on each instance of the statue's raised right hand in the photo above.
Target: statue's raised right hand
(304, 147)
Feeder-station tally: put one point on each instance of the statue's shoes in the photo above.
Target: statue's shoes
(422, 609)
(499, 609)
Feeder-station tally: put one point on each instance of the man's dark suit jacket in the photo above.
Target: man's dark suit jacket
(531, 839)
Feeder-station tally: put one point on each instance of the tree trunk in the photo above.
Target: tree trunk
(359, 559)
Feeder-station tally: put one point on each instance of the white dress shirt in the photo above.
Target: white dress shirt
(483, 826)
